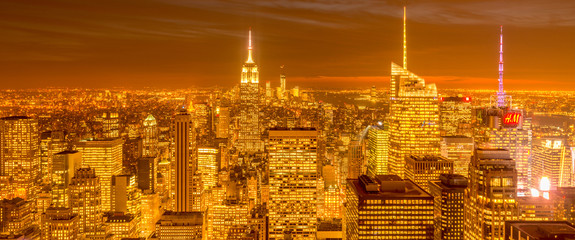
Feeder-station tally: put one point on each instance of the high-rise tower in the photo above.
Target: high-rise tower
(19, 158)
(183, 121)
(293, 174)
(249, 131)
(150, 137)
(414, 115)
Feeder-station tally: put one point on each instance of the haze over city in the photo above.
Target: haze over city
(323, 44)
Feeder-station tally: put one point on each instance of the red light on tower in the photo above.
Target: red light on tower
(467, 99)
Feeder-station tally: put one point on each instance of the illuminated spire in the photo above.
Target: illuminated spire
(250, 60)
(501, 92)
(404, 37)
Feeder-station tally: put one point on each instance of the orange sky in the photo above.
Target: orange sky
(322, 43)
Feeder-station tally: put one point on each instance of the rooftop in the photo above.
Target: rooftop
(545, 229)
(388, 186)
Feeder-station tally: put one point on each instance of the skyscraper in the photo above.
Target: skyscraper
(458, 149)
(550, 159)
(293, 178)
(150, 137)
(490, 199)
(414, 116)
(249, 131)
(51, 142)
(455, 116)
(85, 200)
(384, 208)
(63, 168)
(184, 166)
(515, 136)
(207, 167)
(19, 155)
(448, 205)
(105, 158)
(126, 195)
(282, 84)
(222, 122)
(110, 125)
(378, 150)
(147, 171)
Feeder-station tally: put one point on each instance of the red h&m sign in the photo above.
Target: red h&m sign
(512, 118)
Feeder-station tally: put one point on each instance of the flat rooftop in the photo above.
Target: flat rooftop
(541, 229)
(411, 189)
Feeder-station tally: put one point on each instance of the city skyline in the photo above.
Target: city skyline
(402, 159)
(171, 44)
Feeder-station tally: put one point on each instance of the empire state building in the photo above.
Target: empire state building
(249, 139)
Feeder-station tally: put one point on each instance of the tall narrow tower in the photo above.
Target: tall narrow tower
(183, 121)
(249, 132)
(414, 114)
(501, 92)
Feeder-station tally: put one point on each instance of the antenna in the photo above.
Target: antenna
(250, 60)
(250, 39)
(501, 93)
(404, 37)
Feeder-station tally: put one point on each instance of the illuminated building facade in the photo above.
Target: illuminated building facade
(490, 199)
(85, 200)
(59, 223)
(249, 131)
(110, 125)
(293, 174)
(455, 116)
(550, 159)
(354, 160)
(51, 142)
(225, 217)
(150, 137)
(222, 122)
(105, 158)
(122, 225)
(282, 91)
(150, 212)
(515, 136)
(64, 165)
(539, 230)
(208, 167)
(536, 208)
(448, 206)
(184, 167)
(413, 115)
(458, 149)
(332, 201)
(378, 150)
(414, 118)
(180, 225)
(384, 208)
(15, 215)
(19, 155)
(422, 169)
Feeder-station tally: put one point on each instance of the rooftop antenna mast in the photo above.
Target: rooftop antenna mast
(501, 93)
(404, 35)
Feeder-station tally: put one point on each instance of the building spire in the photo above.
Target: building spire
(250, 60)
(404, 37)
(501, 92)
